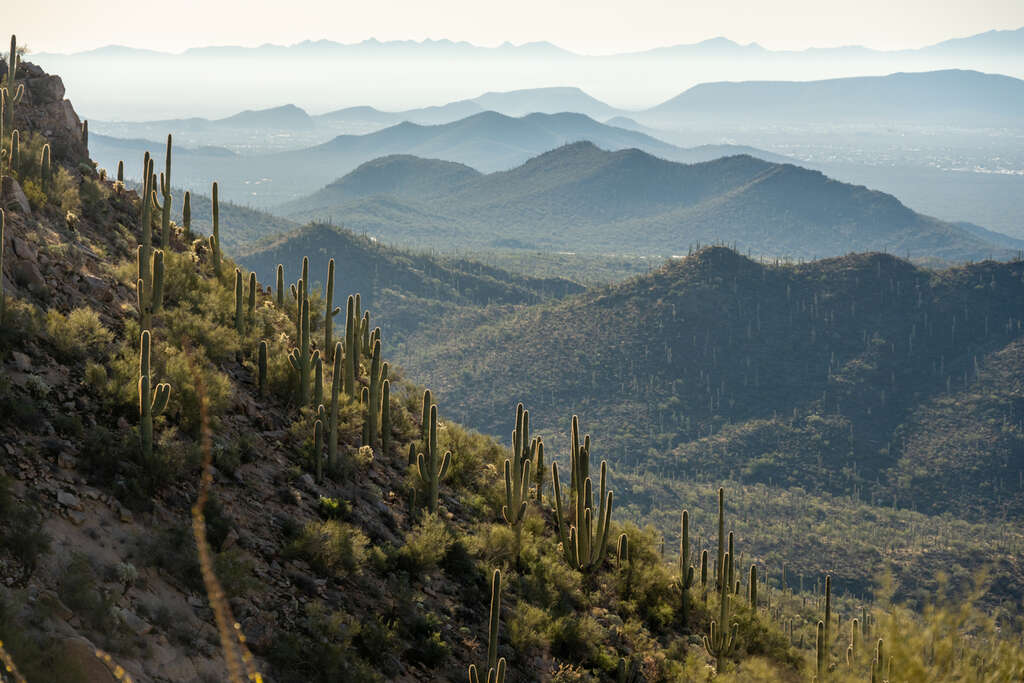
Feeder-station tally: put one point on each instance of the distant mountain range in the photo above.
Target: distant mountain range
(487, 141)
(210, 81)
(582, 198)
(951, 98)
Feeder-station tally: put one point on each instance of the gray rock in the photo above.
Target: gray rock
(69, 500)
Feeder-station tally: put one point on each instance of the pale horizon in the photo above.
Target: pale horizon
(59, 26)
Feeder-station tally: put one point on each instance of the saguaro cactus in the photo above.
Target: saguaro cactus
(686, 570)
(721, 638)
(517, 475)
(300, 357)
(165, 190)
(239, 298)
(120, 171)
(152, 400)
(149, 298)
(250, 315)
(432, 466)
(318, 446)
(820, 656)
(215, 237)
(373, 407)
(332, 418)
(878, 663)
(584, 545)
(352, 351)
(752, 588)
(495, 666)
(146, 222)
(280, 286)
(385, 416)
(15, 151)
(330, 311)
(10, 94)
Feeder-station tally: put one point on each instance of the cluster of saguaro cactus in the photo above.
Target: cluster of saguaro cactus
(584, 539)
(430, 464)
(352, 346)
(376, 408)
(301, 358)
(878, 664)
(721, 638)
(495, 666)
(686, 570)
(10, 94)
(152, 399)
(517, 474)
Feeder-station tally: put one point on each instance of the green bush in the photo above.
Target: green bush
(78, 335)
(331, 547)
(425, 545)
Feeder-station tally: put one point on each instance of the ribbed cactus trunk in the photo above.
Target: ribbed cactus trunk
(300, 357)
(330, 311)
(152, 400)
(280, 287)
(165, 207)
(686, 570)
(239, 298)
(385, 417)
(215, 237)
(719, 578)
(3, 295)
(337, 377)
(262, 368)
(517, 475)
(373, 407)
(431, 465)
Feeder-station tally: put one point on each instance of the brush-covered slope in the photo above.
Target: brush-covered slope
(582, 198)
(408, 291)
(829, 375)
(340, 573)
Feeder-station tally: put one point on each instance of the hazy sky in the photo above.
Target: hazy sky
(593, 26)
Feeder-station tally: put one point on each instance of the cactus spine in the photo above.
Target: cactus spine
(517, 475)
(686, 570)
(721, 639)
(495, 666)
(152, 400)
(165, 190)
(584, 545)
(215, 237)
(431, 466)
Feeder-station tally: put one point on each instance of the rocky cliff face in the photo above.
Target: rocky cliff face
(45, 110)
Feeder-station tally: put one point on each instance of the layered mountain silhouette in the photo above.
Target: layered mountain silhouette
(581, 198)
(487, 141)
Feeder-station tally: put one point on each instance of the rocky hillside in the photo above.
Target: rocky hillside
(164, 421)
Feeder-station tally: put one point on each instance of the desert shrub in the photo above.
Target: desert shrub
(79, 334)
(425, 545)
(326, 647)
(34, 193)
(78, 589)
(577, 639)
(330, 547)
(234, 571)
(187, 371)
(527, 629)
(22, 536)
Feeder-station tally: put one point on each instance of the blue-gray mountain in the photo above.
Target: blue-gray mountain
(582, 198)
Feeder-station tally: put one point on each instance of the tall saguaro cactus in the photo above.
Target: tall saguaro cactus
(3, 296)
(721, 638)
(215, 237)
(517, 475)
(431, 465)
(686, 570)
(300, 357)
(330, 311)
(152, 400)
(495, 666)
(584, 539)
(332, 418)
(352, 318)
(165, 207)
(10, 93)
(373, 408)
